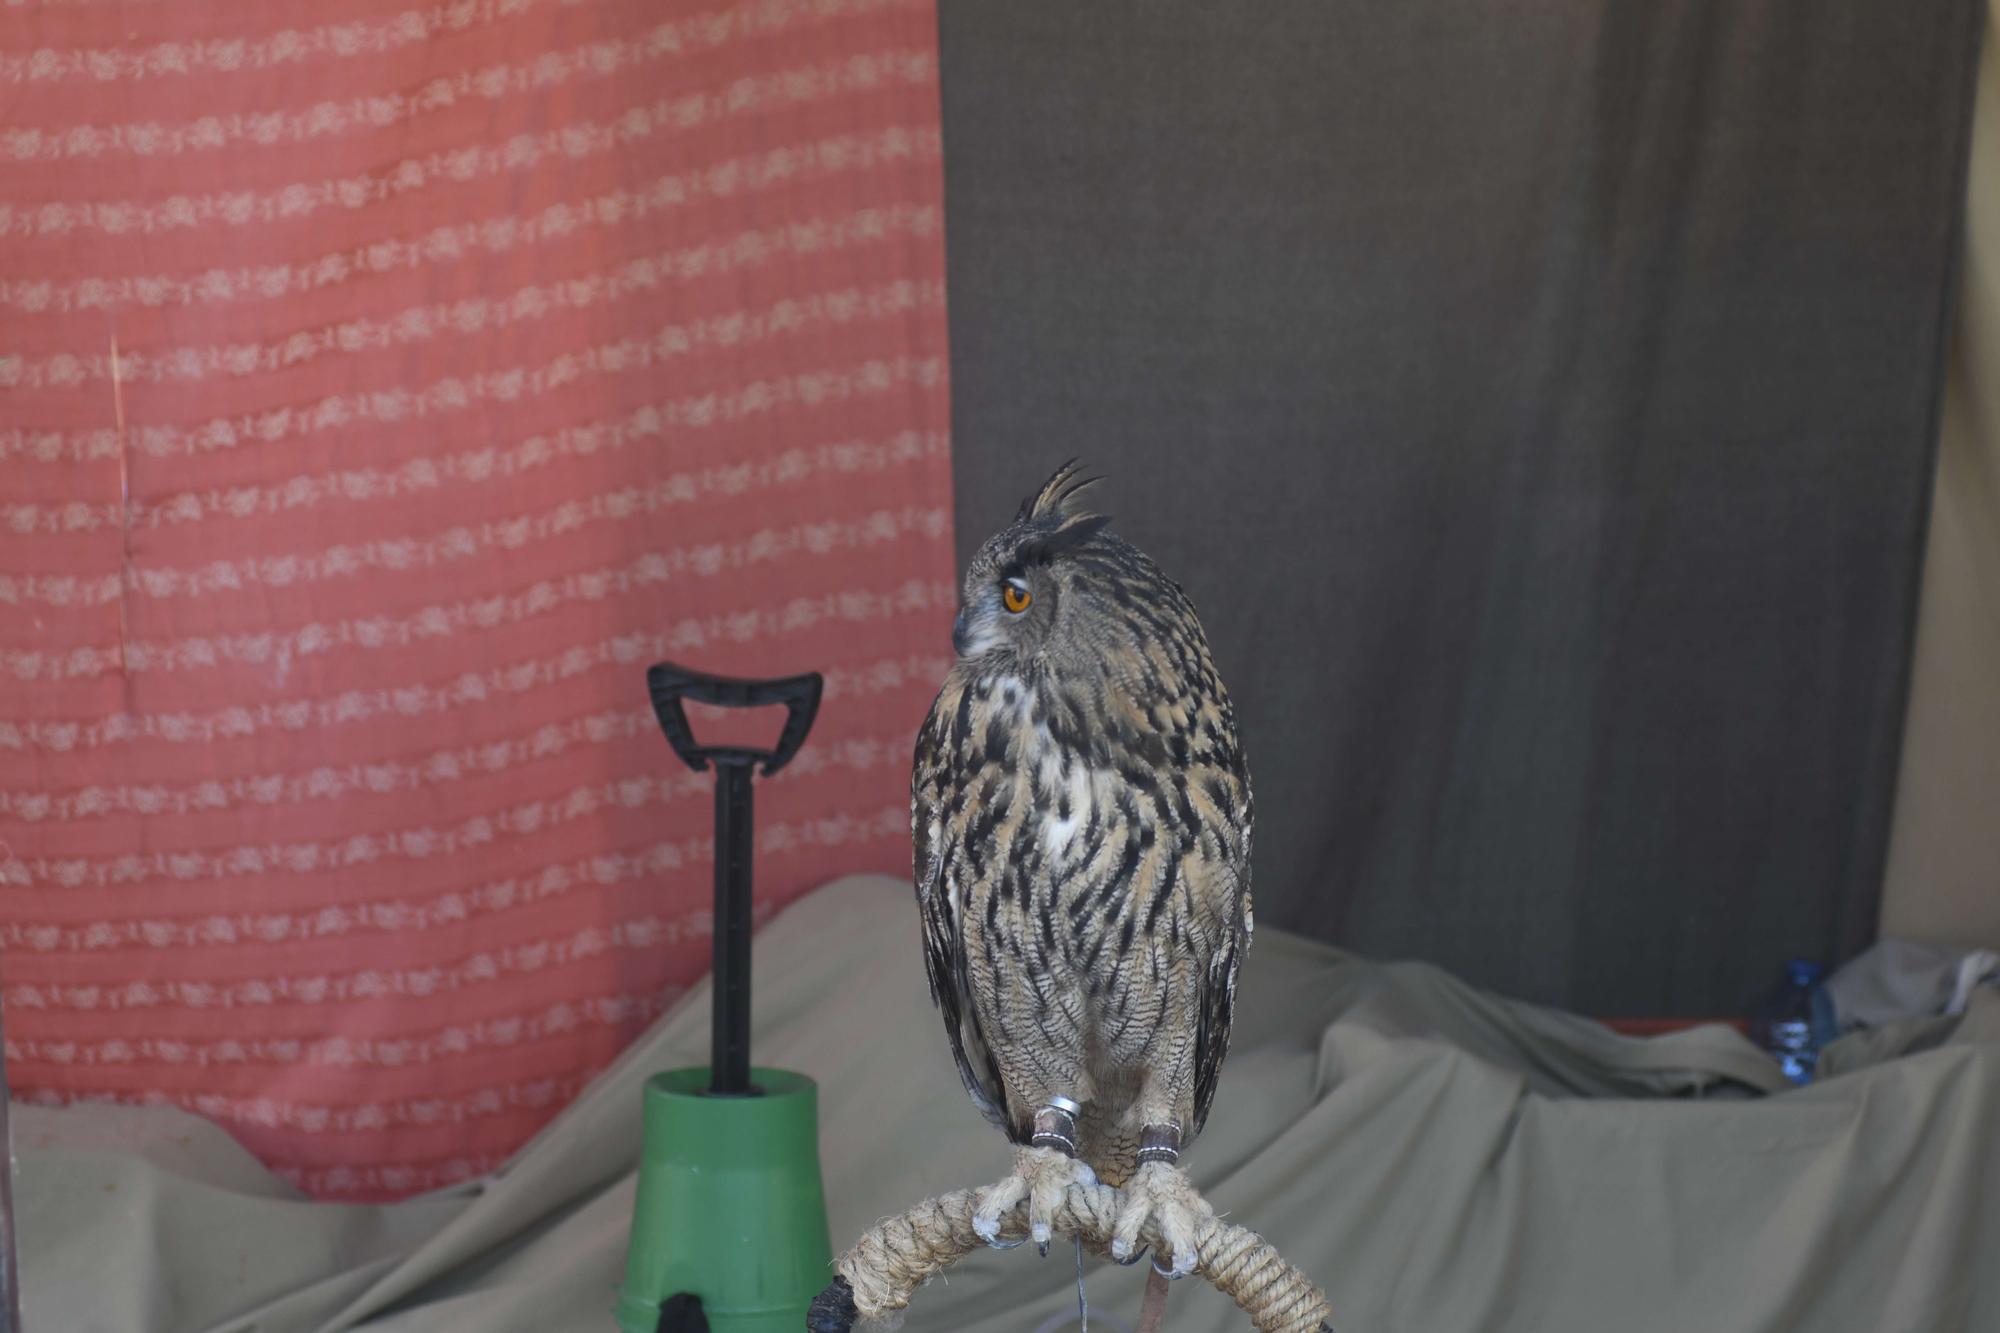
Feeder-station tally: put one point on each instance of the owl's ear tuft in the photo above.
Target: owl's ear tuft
(1058, 496)
(1074, 532)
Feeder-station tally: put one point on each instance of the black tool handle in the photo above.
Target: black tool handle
(670, 684)
(729, 1043)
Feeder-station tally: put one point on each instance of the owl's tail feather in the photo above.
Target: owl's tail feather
(899, 1254)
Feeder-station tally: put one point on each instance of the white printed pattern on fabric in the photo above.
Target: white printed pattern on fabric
(369, 850)
(302, 199)
(273, 129)
(320, 714)
(698, 34)
(420, 375)
(345, 412)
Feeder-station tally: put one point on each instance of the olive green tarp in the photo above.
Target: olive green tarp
(1440, 1159)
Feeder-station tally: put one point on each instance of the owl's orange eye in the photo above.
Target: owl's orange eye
(1015, 596)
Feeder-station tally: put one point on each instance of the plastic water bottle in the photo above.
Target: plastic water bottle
(1791, 1025)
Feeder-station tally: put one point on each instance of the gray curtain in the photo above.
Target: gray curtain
(1538, 402)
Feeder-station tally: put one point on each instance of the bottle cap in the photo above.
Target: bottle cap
(1805, 971)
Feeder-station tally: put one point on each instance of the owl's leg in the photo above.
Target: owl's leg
(1043, 1172)
(1160, 1192)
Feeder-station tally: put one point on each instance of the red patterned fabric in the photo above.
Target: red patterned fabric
(385, 386)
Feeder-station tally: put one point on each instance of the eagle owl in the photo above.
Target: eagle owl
(1081, 814)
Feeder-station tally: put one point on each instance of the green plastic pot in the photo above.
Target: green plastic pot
(730, 1207)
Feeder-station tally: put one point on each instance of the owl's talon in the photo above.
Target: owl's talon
(1159, 1193)
(1042, 1248)
(1128, 1260)
(995, 1203)
(1041, 1178)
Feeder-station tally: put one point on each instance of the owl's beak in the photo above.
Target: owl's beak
(961, 634)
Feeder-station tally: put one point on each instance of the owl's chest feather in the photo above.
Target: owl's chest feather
(1054, 826)
(1054, 786)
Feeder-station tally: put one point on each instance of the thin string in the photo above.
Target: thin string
(1082, 1297)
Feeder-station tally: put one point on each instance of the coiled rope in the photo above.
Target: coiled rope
(899, 1254)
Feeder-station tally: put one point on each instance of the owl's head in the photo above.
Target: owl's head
(1016, 584)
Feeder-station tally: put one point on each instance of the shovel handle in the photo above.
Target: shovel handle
(671, 685)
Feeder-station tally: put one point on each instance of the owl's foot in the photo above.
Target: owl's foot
(1041, 1177)
(1160, 1193)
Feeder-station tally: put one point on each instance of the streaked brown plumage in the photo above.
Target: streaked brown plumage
(1082, 815)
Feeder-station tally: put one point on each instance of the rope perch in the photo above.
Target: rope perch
(899, 1254)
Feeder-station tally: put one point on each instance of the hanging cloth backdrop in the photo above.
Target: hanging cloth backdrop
(1538, 402)
(385, 385)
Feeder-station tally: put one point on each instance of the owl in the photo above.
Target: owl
(1081, 815)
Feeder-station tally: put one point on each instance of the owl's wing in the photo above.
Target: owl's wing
(1218, 1005)
(931, 781)
(1229, 894)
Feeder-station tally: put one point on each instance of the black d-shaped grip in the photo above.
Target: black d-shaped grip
(670, 684)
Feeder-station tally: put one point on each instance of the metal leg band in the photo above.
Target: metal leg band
(1055, 1127)
(1160, 1143)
